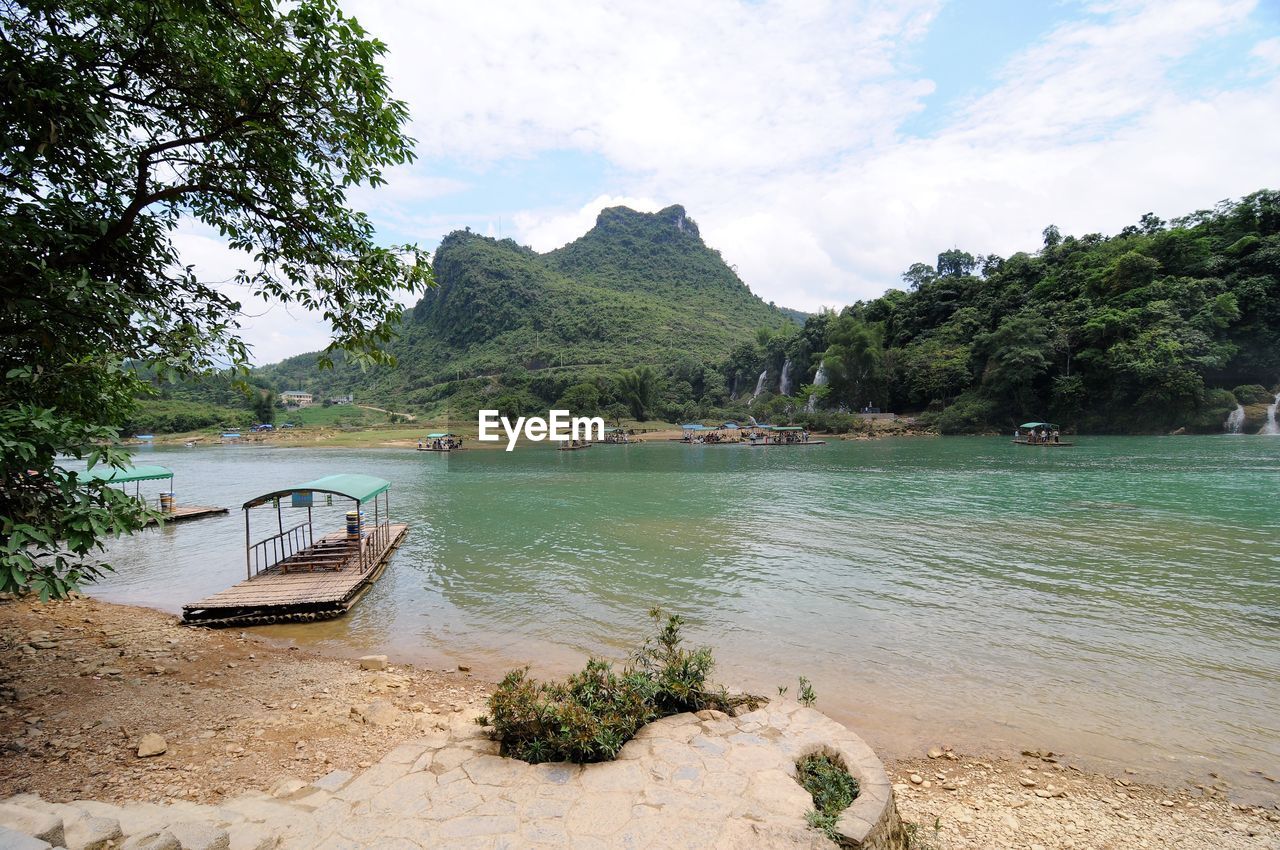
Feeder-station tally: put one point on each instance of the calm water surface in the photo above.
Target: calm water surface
(1118, 601)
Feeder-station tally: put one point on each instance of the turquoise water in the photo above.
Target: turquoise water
(1118, 601)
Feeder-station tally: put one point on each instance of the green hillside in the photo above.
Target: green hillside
(639, 289)
(1164, 325)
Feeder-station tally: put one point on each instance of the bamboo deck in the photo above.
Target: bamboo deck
(318, 583)
(183, 513)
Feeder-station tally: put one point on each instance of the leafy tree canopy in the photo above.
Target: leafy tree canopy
(121, 120)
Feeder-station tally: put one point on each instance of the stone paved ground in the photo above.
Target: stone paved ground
(689, 781)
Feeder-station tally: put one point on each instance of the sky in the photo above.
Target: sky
(822, 147)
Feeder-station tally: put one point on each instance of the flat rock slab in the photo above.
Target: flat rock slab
(693, 781)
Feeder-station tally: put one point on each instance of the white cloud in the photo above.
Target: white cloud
(779, 126)
(546, 230)
(1085, 129)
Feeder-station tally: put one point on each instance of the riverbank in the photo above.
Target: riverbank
(400, 436)
(86, 683)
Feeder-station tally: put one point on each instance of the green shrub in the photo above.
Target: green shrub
(832, 788)
(1213, 412)
(591, 714)
(969, 414)
(1252, 394)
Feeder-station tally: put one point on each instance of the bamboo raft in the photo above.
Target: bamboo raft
(319, 583)
(183, 513)
(293, 576)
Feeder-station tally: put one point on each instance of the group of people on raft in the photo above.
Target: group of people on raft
(441, 444)
(1038, 435)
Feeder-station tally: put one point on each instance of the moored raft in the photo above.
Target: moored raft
(293, 576)
(170, 510)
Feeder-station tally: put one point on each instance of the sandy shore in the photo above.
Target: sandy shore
(84, 681)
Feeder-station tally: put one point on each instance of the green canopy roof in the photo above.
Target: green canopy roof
(129, 473)
(437, 436)
(361, 488)
(787, 428)
(1036, 425)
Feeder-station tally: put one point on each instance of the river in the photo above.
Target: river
(1118, 601)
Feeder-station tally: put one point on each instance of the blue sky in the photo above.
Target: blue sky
(822, 147)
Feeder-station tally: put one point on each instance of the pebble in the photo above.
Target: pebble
(152, 745)
(916, 779)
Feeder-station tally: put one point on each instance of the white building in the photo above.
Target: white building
(296, 398)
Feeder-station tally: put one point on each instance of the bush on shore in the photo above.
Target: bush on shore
(591, 714)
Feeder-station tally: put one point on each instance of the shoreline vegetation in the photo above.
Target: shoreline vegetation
(401, 436)
(89, 683)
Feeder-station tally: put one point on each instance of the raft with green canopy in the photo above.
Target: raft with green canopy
(170, 511)
(1030, 438)
(784, 435)
(293, 576)
(441, 441)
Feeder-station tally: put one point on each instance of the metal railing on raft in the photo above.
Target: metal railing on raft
(270, 551)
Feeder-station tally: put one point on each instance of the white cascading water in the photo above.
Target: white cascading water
(1271, 429)
(1235, 421)
(819, 380)
(759, 385)
(784, 381)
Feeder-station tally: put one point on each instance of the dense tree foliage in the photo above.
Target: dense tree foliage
(1144, 330)
(122, 119)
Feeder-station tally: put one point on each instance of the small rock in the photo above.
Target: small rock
(162, 840)
(194, 835)
(13, 840)
(287, 786)
(151, 745)
(935, 752)
(1026, 782)
(373, 662)
(950, 786)
(1167, 803)
(916, 779)
(93, 833)
(418, 707)
(377, 713)
(462, 668)
(41, 825)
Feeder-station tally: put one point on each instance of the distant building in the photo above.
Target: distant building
(343, 399)
(296, 398)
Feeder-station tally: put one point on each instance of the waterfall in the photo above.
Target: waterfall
(1235, 422)
(784, 382)
(759, 385)
(819, 380)
(1271, 429)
